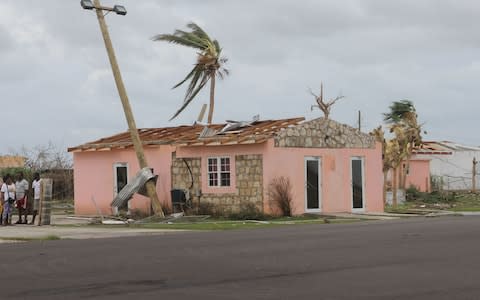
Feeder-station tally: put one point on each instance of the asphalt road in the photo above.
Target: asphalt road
(436, 258)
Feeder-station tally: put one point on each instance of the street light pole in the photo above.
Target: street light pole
(132, 127)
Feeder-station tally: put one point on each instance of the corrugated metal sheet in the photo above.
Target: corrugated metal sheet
(135, 185)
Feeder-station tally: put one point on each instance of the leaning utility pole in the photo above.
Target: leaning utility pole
(132, 127)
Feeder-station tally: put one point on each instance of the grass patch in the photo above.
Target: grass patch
(223, 224)
(205, 223)
(465, 208)
(247, 224)
(451, 201)
(27, 239)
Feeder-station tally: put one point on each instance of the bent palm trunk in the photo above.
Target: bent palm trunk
(394, 187)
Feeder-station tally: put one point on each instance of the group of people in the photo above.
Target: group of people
(14, 194)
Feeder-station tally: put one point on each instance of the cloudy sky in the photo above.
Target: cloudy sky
(57, 86)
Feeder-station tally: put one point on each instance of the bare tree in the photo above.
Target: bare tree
(52, 162)
(45, 157)
(325, 106)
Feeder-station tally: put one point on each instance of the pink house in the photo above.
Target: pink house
(418, 174)
(332, 167)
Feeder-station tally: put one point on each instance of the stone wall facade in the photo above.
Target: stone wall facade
(249, 183)
(181, 177)
(323, 133)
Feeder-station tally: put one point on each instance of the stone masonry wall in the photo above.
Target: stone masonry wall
(249, 183)
(323, 133)
(249, 173)
(181, 178)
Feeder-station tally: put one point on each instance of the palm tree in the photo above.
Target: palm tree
(209, 63)
(400, 111)
(402, 118)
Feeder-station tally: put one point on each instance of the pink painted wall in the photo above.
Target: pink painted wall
(94, 176)
(335, 175)
(419, 175)
(289, 162)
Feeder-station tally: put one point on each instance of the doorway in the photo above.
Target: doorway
(313, 191)
(358, 184)
(120, 179)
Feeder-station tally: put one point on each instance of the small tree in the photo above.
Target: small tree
(379, 135)
(325, 106)
(402, 118)
(280, 194)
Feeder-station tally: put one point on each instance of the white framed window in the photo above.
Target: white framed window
(218, 171)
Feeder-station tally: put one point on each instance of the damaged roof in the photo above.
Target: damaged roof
(229, 133)
(442, 147)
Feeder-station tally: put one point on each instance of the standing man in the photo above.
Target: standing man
(36, 195)
(21, 190)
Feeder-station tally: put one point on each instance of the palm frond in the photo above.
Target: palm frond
(399, 110)
(199, 87)
(217, 47)
(193, 37)
(192, 72)
(193, 83)
(223, 60)
(191, 96)
(222, 73)
(177, 40)
(197, 30)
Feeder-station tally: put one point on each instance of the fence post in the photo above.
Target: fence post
(474, 175)
(45, 201)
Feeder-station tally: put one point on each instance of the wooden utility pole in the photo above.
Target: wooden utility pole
(474, 175)
(359, 121)
(132, 127)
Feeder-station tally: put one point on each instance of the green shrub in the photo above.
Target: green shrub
(412, 193)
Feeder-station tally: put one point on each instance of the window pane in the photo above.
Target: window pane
(219, 171)
(213, 179)
(225, 164)
(122, 177)
(212, 165)
(225, 179)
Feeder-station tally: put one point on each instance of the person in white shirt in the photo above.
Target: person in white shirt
(21, 190)
(7, 192)
(36, 195)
